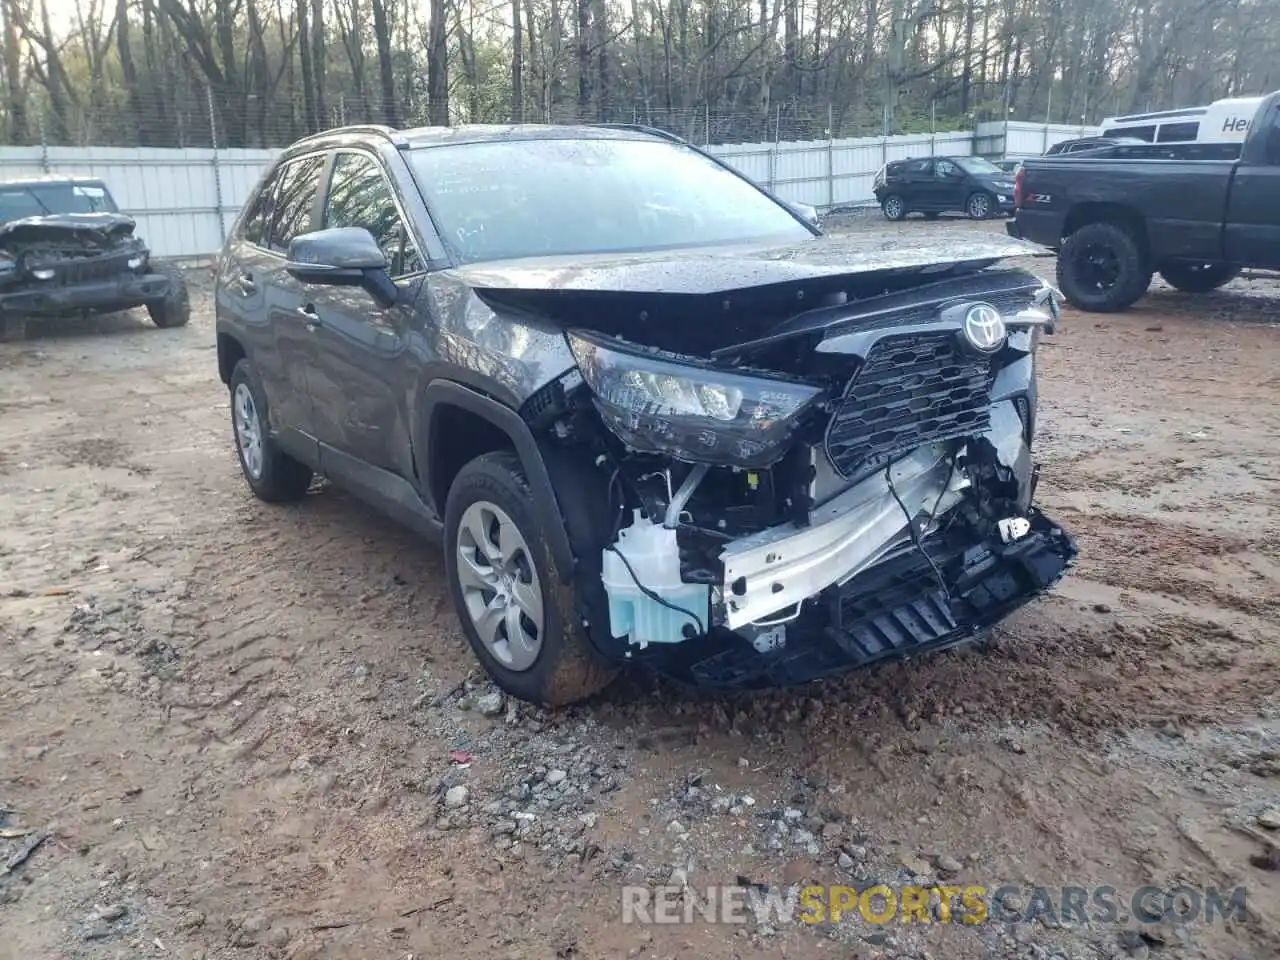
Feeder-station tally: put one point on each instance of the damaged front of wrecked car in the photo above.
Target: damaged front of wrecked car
(65, 249)
(811, 460)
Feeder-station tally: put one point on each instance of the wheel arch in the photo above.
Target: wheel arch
(1119, 214)
(457, 423)
(230, 352)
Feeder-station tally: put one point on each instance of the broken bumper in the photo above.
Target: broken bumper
(119, 293)
(898, 607)
(785, 565)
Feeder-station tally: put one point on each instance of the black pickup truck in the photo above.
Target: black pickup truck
(1171, 209)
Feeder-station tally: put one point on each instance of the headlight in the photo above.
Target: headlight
(43, 273)
(656, 404)
(136, 262)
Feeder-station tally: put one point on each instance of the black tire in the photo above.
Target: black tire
(932, 216)
(13, 326)
(1198, 277)
(1101, 268)
(279, 478)
(175, 309)
(980, 205)
(566, 668)
(894, 207)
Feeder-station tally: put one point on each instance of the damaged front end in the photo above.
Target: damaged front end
(853, 486)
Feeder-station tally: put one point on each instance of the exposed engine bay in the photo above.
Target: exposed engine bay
(852, 485)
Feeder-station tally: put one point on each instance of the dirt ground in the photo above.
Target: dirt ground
(235, 730)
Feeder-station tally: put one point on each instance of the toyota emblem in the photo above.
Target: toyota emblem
(984, 327)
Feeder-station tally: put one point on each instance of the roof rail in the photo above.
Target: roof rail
(373, 129)
(641, 128)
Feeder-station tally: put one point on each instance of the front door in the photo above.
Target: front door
(356, 389)
(1252, 232)
(948, 185)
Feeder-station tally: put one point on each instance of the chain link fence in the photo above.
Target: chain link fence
(194, 115)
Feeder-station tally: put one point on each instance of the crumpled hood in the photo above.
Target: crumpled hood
(703, 271)
(55, 225)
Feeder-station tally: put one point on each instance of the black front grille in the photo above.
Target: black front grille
(88, 269)
(911, 390)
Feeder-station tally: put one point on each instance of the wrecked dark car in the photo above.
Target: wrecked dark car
(652, 413)
(65, 248)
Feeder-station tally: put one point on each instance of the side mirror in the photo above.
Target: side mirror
(343, 257)
(807, 213)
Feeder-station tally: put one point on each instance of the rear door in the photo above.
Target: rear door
(294, 213)
(1252, 230)
(360, 345)
(245, 271)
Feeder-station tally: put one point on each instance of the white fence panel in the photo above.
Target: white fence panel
(1020, 138)
(186, 200)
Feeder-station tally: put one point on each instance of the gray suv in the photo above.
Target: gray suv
(652, 413)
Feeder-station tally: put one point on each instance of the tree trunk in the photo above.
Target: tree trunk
(386, 74)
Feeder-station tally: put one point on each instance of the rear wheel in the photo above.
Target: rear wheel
(893, 207)
(979, 206)
(271, 473)
(1101, 268)
(1198, 277)
(12, 327)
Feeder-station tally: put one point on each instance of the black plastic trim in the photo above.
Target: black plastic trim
(447, 392)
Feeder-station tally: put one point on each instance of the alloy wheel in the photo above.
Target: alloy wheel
(500, 586)
(248, 427)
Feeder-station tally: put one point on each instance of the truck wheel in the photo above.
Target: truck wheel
(12, 327)
(272, 474)
(893, 207)
(523, 624)
(1198, 277)
(979, 206)
(175, 309)
(1101, 268)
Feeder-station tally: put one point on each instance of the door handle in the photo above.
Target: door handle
(308, 313)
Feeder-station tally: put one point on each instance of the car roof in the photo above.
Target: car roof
(50, 181)
(413, 138)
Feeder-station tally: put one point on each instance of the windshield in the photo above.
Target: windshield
(42, 199)
(977, 165)
(506, 199)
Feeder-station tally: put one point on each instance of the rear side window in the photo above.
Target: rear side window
(258, 220)
(359, 196)
(1178, 132)
(299, 186)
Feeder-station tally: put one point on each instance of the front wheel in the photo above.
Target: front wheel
(979, 206)
(1198, 277)
(175, 309)
(1101, 268)
(523, 624)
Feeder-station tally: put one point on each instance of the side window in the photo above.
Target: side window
(359, 196)
(944, 169)
(1273, 138)
(917, 168)
(253, 228)
(1177, 132)
(299, 184)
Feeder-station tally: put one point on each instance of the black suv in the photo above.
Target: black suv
(652, 412)
(66, 248)
(934, 185)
